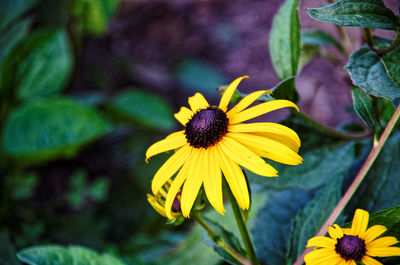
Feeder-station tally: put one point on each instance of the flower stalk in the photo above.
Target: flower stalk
(356, 182)
(219, 241)
(243, 229)
(369, 40)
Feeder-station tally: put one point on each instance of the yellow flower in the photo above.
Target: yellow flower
(158, 201)
(216, 139)
(350, 245)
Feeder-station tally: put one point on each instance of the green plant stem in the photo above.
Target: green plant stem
(329, 131)
(219, 241)
(356, 182)
(369, 40)
(242, 229)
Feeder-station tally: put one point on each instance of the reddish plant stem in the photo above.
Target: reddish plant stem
(357, 181)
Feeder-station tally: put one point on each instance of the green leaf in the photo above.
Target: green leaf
(284, 40)
(356, 13)
(94, 16)
(364, 106)
(51, 128)
(315, 171)
(308, 222)
(145, 109)
(58, 255)
(229, 238)
(381, 182)
(286, 90)
(271, 228)
(199, 76)
(319, 37)
(370, 72)
(39, 65)
(12, 9)
(11, 37)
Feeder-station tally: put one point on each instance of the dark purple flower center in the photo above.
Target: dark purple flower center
(206, 127)
(350, 247)
(176, 205)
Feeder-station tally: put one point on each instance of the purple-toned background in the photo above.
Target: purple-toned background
(153, 37)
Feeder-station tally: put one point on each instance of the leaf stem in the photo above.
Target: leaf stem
(219, 241)
(356, 182)
(329, 131)
(369, 40)
(242, 229)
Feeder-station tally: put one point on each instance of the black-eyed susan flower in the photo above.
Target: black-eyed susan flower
(346, 246)
(216, 139)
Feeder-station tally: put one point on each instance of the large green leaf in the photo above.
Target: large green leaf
(59, 255)
(272, 223)
(377, 75)
(356, 13)
(50, 128)
(11, 37)
(39, 66)
(316, 171)
(308, 222)
(93, 16)
(284, 40)
(365, 108)
(144, 108)
(12, 9)
(381, 182)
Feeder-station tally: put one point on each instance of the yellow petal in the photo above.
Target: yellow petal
(246, 101)
(360, 223)
(169, 168)
(184, 115)
(260, 110)
(315, 256)
(321, 241)
(346, 231)
(154, 203)
(373, 232)
(271, 149)
(198, 102)
(382, 242)
(335, 231)
(351, 262)
(235, 178)
(193, 181)
(246, 158)
(213, 181)
(226, 97)
(370, 261)
(176, 185)
(384, 252)
(271, 130)
(172, 141)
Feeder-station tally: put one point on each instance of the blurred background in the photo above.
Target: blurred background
(119, 69)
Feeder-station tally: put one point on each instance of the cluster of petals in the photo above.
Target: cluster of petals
(244, 144)
(326, 248)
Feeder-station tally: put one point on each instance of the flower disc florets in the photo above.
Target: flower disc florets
(206, 127)
(350, 247)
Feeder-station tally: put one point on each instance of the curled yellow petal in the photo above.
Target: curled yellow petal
(226, 97)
